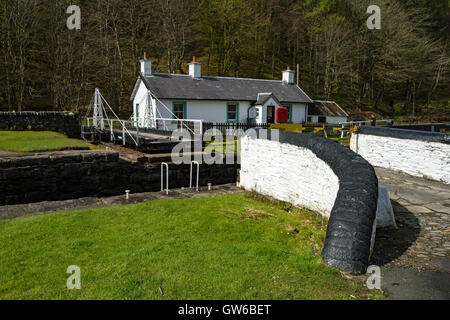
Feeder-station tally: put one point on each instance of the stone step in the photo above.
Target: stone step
(157, 158)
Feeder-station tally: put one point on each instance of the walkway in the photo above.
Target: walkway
(415, 259)
(15, 211)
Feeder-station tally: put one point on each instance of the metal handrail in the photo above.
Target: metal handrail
(122, 124)
(364, 121)
(198, 174)
(164, 164)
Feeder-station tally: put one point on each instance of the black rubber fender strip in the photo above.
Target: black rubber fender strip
(406, 134)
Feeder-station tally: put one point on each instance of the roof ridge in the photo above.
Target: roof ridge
(216, 77)
(182, 87)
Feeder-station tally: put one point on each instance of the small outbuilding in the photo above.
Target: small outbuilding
(326, 112)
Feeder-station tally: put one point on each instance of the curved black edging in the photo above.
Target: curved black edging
(406, 134)
(349, 232)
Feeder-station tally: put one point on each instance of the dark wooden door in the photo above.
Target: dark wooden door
(270, 114)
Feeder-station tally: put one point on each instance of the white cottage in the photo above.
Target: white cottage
(214, 99)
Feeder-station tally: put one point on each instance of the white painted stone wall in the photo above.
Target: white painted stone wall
(418, 158)
(288, 173)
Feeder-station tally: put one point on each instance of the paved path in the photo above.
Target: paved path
(416, 255)
(7, 154)
(15, 211)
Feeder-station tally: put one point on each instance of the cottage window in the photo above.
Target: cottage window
(289, 107)
(179, 110)
(232, 112)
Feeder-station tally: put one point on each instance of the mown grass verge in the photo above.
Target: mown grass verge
(38, 141)
(227, 247)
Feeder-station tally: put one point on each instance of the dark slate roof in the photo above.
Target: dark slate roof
(184, 87)
(326, 108)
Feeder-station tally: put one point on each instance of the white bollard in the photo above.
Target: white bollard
(127, 194)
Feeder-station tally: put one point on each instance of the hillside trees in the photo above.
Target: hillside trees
(44, 65)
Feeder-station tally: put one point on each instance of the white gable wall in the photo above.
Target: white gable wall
(139, 99)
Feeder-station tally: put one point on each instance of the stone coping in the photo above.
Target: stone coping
(406, 134)
(37, 113)
(51, 158)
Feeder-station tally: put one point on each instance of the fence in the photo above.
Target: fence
(236, 129)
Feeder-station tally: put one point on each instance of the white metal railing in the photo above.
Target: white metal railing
(365, 121)
(356, 123)
(164, 164)
(193, 126)
(102, 123)
(198, 174)
(110, 123)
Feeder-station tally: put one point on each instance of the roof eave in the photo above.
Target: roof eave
(136, 88)
(310, 100)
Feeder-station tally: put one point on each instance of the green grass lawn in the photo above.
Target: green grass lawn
(38, 141)
(345, 141)
(228, 247)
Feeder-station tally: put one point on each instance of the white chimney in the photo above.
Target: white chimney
(146, 66)
(288, 76)
(195, 69)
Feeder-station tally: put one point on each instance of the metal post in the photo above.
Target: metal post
(167, 177)
(98, 110)
(111, 128)
(198, 174)
(123, 133)
(137, 134)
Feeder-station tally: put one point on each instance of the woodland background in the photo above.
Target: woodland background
(402, 69)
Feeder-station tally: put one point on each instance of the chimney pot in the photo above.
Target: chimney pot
(288, 76)
(146, 66)
(195, 69)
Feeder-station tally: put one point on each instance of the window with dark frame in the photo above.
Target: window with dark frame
(232, 112)
(178, 109)
(289, 107)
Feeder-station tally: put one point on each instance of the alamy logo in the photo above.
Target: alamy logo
(374, 21)
(74, 281)
(374, 281)
(74, 21)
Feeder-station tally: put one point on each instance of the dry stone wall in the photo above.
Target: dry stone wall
(71, 175)
(64, 122)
